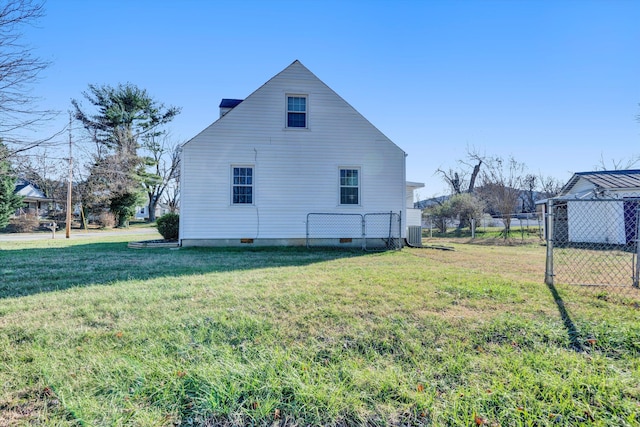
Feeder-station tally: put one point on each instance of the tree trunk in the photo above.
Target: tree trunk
(153, 202)
(123, 221)
(507, 226)
(474, 175)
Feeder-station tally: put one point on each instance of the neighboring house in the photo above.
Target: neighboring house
(142, 212)
(35, 202)
(607, 201)
(291, 148)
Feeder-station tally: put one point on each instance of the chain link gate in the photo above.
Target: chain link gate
(593, 242)
(369, 232)
(382, 231)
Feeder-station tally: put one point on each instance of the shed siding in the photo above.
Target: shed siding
(296, 171)
(582, 186)
(610, 217)
(597, 221)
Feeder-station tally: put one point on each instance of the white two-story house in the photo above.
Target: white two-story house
(290, 149)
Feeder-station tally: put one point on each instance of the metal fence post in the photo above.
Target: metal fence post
(548, 274)
(364, 233)
(390, 224)
(307, 227)
(430, 227)
(636, 277)
(399, 245)
(521, 230)
(473, 228)
(539, 227)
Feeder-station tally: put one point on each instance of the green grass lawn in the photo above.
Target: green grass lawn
(94, 333)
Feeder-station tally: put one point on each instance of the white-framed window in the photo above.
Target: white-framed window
(349, 186)
(297, 110)
(242, 185)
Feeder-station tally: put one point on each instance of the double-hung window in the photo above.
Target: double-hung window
(349, 186)
(242, 185)
(296, 111)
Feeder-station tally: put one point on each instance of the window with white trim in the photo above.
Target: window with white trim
(242, 185)
(349, 186)
(296, 111)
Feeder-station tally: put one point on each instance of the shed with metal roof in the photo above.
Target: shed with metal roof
(598, 207)
(601, 182)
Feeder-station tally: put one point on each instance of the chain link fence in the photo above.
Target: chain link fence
(594, 242)
(523, 226)
(369, 232)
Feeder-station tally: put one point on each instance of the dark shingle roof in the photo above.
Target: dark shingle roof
(20, 184)
(229, 103)
(608, 180)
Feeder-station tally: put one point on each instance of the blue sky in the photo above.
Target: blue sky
(555, 84)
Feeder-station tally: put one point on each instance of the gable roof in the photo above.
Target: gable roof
(21, 184)
(30, 191)
(606, 180)
(228, 102)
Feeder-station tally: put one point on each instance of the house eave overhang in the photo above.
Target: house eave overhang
(414, 185)
(36, 199)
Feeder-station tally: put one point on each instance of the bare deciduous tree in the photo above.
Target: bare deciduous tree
(501, 187)
(549, 187)
(617, 164)
(172, 194)
(453, 178)
(470, 167)
(538, 187)
(164, 157)
(529, 183)
(19, 70)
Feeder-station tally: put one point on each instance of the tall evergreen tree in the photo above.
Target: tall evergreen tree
(9, 201)
(123, 116)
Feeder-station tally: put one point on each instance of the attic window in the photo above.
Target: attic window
(297, 111)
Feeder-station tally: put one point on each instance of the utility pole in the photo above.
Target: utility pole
(68, 229)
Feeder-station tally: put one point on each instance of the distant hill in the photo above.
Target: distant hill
(427, 203)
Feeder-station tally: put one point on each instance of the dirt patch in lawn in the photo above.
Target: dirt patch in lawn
(28, 407)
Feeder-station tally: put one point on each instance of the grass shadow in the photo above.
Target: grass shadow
(36, 270)
(572, 331)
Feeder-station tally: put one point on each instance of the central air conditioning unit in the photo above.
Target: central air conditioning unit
(414, 236)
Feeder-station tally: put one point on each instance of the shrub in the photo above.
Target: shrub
(124, 208)
(24, 224)
(168, 225)
(106, 220)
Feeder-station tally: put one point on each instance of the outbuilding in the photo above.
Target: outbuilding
(598, 207)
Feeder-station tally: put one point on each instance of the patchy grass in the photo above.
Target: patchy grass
(93, 333)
